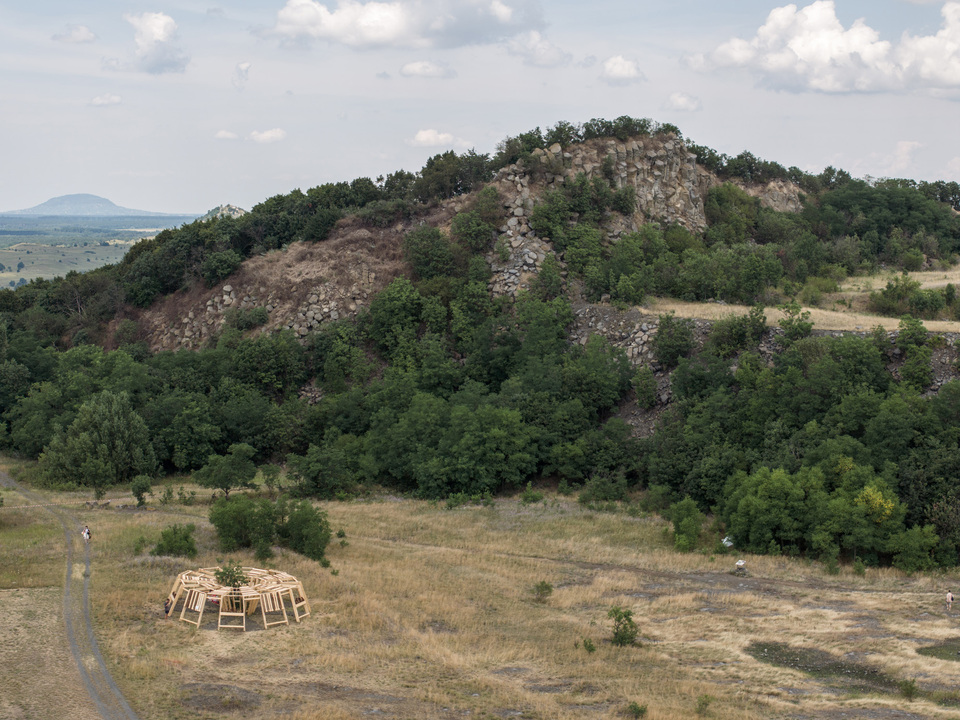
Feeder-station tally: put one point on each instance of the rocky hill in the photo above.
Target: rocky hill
(307, 284)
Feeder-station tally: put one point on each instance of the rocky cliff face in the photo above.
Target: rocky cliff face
(669, 186)
(309, 284)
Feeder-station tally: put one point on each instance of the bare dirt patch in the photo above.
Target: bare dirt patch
(33, 650)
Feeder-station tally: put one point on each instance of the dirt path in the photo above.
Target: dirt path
(84, 686)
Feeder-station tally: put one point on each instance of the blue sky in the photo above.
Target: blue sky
(178, 107)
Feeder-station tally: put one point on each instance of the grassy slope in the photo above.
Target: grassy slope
(431, 615)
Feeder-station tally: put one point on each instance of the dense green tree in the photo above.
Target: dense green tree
(105, 445)
(226, 472)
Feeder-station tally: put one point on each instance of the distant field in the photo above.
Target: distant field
(53, 246)
(67, 230)
(47, 261)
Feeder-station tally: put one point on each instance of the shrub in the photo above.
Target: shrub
(177, 540)
(230, 574)
(625, 630)
(140, 487)
(541, 591)
(733, 333)
(687, 524)
(645, 387)
(703, 702)
(908, 688)
(916, 370)
(674, 339)
(603, 488)
(589, 646)
(246, 319)
(530, 496)
(636, 711)
(306, 531)
(428, 251)
(470, 229)
(220, 265)
(911, 334)
(795, 323)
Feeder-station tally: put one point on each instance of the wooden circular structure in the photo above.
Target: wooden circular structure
(270, 591)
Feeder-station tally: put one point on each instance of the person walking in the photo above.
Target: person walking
(949, 601)
(86, 533)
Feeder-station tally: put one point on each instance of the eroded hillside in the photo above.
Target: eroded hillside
(306, 284)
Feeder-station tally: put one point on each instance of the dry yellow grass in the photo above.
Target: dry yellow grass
(432, 615)
(844, 310)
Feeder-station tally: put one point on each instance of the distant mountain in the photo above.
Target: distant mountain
(83, 205)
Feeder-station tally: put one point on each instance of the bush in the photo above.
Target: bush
(220, 265)
(635, 710)
(177, 540)
(645, 387)
(625, 630)
(911, 334)
(469, 229)
(428, 251)
(795, 322)
(908, 688)
(246, 319)
(604, 488)
(674, 339)
(530, 496)
(230, 574)
(734, 333)
(687, 524)
(541, 591)
(306, 531)
(703, 702)
(140, 487)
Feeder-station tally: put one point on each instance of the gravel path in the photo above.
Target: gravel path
(78, 628)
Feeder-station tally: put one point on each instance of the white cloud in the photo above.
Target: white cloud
(427, 69)
(106, 99)
(406, 23)
(431, 138)
(537, 50)
(226, 135)
(434, 138)
(158, 49)
(809, 49)
(75, 34)
(682, 102)
(267, 136)
(619, 70)
(240, 74)
(903, 156)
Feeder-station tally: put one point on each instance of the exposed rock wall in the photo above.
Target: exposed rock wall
(312, 284)
(669, 187)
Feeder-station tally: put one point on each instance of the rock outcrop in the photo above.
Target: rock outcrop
(306, 285)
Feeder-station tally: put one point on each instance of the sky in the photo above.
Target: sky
(176, 106)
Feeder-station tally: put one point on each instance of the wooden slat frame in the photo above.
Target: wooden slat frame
(195, 601)
(234, 602)
(272, 602)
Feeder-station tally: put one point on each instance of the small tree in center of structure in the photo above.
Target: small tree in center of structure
(230, 574)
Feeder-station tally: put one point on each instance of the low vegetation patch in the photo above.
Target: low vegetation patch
(946, 650)
(824, 665)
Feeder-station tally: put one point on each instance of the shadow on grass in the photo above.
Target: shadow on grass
(848, 674)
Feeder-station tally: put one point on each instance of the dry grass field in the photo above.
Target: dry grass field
(843, 310)
(429, 612)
